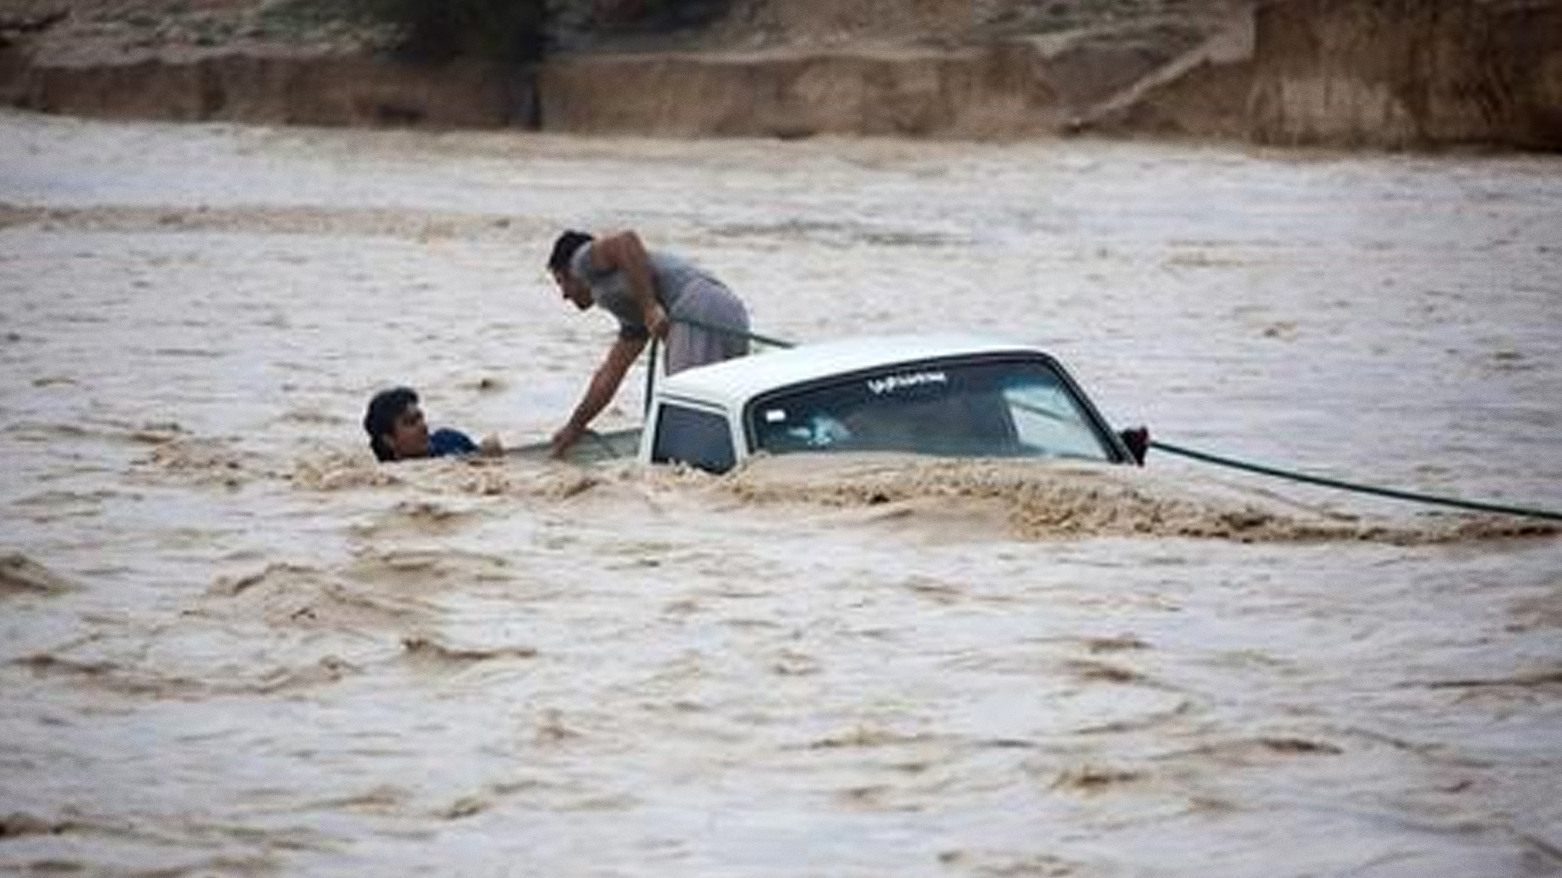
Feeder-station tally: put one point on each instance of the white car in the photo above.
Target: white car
(939, 395)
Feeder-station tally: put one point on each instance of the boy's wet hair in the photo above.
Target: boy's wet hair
(564, 249)
(384, 409)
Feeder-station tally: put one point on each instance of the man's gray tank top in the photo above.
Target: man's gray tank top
(610, 288)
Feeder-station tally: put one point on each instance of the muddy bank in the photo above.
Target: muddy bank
(310, 90)
(1352, 73)
(978, 93)
(1011, 88)
(787, 68)
(1402, 73)
(1003, 87)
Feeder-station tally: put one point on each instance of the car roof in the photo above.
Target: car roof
(733, 382)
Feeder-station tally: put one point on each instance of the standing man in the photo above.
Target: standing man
(651, 293)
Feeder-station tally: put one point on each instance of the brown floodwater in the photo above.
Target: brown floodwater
(231, 644)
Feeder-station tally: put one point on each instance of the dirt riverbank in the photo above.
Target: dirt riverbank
(1354, 73)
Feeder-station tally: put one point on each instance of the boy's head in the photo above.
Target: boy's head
(395, 425)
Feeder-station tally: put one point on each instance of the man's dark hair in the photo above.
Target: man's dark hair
(384, 409)
(564, 249)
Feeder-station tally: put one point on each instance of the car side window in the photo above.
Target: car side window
(697, 438)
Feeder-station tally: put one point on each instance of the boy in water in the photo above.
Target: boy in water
(397, 430)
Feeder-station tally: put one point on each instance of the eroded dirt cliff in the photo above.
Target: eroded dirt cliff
(1408, 73)
(1375, 73)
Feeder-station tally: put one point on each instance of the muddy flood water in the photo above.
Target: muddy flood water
(234, 645)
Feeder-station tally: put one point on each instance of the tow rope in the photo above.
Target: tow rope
(1169, 448)
(1393, 493)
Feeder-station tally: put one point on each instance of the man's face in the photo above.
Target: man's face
(573, 289)
(409, 434)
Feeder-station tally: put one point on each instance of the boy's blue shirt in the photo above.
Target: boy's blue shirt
(445, 441)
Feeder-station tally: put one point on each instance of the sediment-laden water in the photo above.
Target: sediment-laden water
(234, 645)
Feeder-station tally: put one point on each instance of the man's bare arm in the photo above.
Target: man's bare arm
(604, 385)
(625, 252)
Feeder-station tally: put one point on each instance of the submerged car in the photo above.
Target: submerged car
(937, 395)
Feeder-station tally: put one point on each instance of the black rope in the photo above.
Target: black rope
(734, 331)
(1393, 493)
(650, 377)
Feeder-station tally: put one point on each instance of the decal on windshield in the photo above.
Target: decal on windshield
(892, 383)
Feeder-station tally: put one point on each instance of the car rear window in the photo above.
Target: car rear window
(697, 438)
(977, 408)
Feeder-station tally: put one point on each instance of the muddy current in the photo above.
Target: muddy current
(234, 645)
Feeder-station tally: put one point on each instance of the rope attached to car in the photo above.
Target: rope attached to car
(1193, 454)
(1392, 493)
(735, 332)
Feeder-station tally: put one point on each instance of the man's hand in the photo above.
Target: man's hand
(656, 321)
(565, 439)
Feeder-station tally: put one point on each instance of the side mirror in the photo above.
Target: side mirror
(1138, 441)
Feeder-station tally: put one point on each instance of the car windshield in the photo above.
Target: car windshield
(968, 408)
